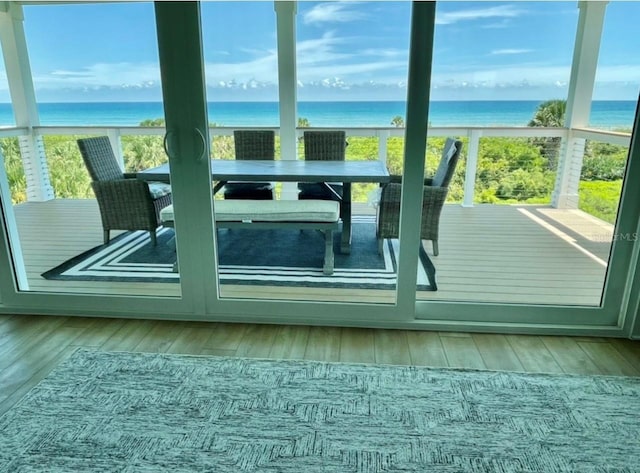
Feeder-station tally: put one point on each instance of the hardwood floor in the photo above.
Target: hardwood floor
(31, 346)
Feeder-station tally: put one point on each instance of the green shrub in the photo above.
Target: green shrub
(522, 185)
(142, 152)
(14, 169)
(68, 175)
(511, 170)
(487, 196)
(600, 198)
(361, 148)
(603, 162)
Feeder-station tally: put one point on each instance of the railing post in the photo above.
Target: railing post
(565, 192)
(579, 99)
(116, 145)
(472, 167)
(36, 170)
(383, 136)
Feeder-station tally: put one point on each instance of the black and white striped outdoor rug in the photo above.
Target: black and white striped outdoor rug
(248, 257)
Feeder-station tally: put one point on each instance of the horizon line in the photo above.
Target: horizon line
(315, 101)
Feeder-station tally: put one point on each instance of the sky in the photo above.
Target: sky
(512, 50)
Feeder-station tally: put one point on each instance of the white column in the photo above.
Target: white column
(383, 139)
(116, 145)
(287, 87)
(472, 167)
(16, 60)
(580, 96)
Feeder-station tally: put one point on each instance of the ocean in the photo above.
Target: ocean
(604, 114)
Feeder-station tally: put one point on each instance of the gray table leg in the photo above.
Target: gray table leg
(429, 268)
(345, 241)
(328, 253)
(172, 244)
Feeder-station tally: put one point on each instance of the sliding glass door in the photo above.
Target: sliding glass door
(184, 80)
(427, 288)
(83, 232)
(531, 217)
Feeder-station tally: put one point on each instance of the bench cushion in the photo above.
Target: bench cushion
(270, 211)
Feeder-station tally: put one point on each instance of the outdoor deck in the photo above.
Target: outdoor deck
(488, 253)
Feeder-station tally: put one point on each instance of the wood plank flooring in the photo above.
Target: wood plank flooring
(488, 253)
(31, 346)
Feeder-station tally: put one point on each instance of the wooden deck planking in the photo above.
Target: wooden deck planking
(488, 253)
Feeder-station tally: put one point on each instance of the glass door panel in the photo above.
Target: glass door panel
(88, 226)
(530, 215)
(341, 80)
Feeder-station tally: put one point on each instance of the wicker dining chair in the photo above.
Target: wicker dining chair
(323, 146)
(252, 144)
(125, 203)
(434, 195)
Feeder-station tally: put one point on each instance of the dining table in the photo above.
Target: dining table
(248, 170)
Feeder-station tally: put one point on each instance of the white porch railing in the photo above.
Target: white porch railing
(566, 181)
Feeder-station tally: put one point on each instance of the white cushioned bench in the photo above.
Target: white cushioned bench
(323, 215)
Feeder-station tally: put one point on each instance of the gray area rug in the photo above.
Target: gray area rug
(250, 257)
(132, 412)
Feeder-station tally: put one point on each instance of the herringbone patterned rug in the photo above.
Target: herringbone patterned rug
(132, 412)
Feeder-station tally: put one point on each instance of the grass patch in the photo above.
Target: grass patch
(600, 198)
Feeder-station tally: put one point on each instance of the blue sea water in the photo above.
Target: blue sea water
(604, 114)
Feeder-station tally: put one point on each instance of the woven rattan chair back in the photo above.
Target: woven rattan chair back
(98, 156)
(254, 144)
(448, 162)
(324, 145)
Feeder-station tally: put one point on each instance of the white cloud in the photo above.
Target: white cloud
(261, 69)
(326, 63)
(323, 49)
(317, 59)
(497, 52)
(528, 75)
(71, 74)
(623, 73)
(385, 53)
(110, 75)
(332, 13)
(352, 72)
(500, 76)
(502, 11)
